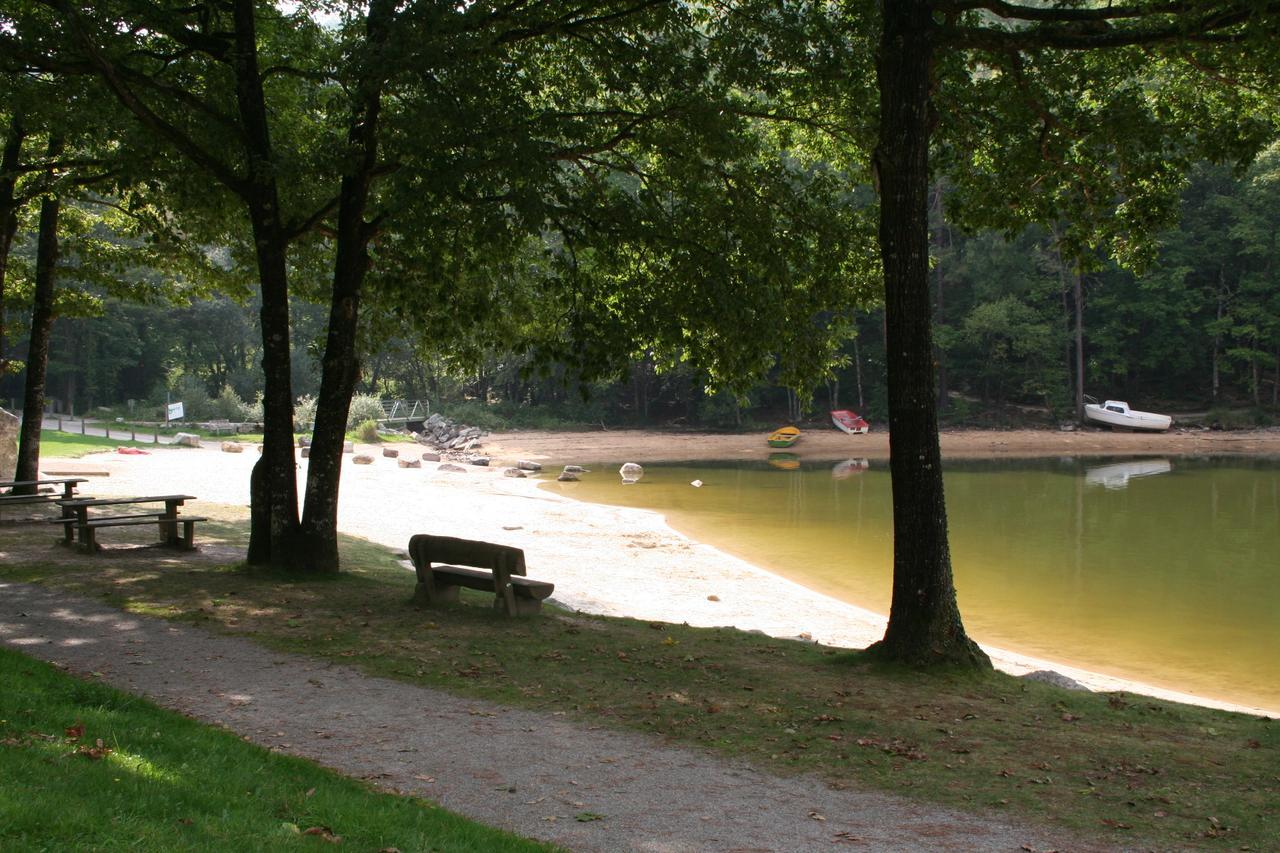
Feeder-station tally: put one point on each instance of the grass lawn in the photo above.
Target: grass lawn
(1127, 770)
(85, 767)
(74, 445)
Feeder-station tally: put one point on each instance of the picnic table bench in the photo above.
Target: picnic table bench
(498, 569)
(41, 491)
(77, 523)
(12, 492)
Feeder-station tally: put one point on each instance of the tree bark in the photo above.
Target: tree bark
(28, 467)
(273, 531)
(9, 207)
(1077, 292)
(939, 356)
(340, 365)
(924, 619)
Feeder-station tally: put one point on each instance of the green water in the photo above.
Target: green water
(1163, 571)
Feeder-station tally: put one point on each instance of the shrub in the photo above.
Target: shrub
(364, 407)
(304, 413)
(253, 411)
(190, 391)
(367, 431)
(227, 406)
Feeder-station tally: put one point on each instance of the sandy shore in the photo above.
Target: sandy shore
(827, 443)
(628, 562)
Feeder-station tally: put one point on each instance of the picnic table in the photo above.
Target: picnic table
(78, 523)
(15, 492)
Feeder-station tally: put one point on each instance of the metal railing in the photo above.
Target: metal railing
(406, 410)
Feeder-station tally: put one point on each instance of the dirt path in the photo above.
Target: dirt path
(531, 773)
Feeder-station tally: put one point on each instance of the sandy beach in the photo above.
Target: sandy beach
(628, 562)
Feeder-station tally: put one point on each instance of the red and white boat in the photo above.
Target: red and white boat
(850, 422)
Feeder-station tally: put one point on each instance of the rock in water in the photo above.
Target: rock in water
(576, 469)
(409, 463)
(390, 453)
(697, 484)
(526, 465)
(449, 466)
(232, 447)
(362, 459)
(567, 476)
(631, 472)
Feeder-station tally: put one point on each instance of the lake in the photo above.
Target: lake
(1165, 571)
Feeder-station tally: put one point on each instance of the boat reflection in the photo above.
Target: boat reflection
(1117, 475)
(785, 461)
(846, 469)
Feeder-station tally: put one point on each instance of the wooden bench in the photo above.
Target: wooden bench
(41, 495)
(496, 568)
(77, 523)
(39, 490)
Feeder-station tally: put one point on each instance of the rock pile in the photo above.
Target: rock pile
(441, 432)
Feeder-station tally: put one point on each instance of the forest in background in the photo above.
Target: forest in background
(1196, 331)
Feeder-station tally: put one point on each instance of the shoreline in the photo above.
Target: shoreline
(829, 444)
(866, 627)
(654, 572)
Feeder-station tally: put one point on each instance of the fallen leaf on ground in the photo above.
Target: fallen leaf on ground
(323, 832)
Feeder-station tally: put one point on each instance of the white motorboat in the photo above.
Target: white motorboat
(1118, 415)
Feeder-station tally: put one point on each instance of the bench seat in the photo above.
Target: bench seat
(486, 566)
(482, 580)
(38, 497)
(186, 540)
(70, 522)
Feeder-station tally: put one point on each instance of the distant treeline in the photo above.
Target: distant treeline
(1197, 330)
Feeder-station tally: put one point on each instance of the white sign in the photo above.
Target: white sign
(175, 412)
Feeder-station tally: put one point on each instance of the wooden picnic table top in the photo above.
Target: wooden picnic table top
(75, 503)
(9, 484)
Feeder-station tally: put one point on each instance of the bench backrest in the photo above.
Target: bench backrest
(425, 549)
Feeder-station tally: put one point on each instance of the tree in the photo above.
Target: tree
(994, 76)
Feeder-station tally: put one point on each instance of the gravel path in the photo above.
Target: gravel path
(527, 772)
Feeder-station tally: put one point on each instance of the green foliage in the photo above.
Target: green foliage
(227, 405)
(1236, 419)
(364, 407)
(304, 412)
(367, 431)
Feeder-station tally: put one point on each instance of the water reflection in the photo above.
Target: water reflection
(1118, 474)
(846, 469)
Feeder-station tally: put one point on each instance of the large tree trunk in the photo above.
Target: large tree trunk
(943, 241)
(9, 207)
(28, 467)
(1077, 293)
(340, 366)
(924, 620)
(273, 528)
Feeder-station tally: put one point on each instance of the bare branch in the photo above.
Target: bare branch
(1218, 26)
(1055, 14)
